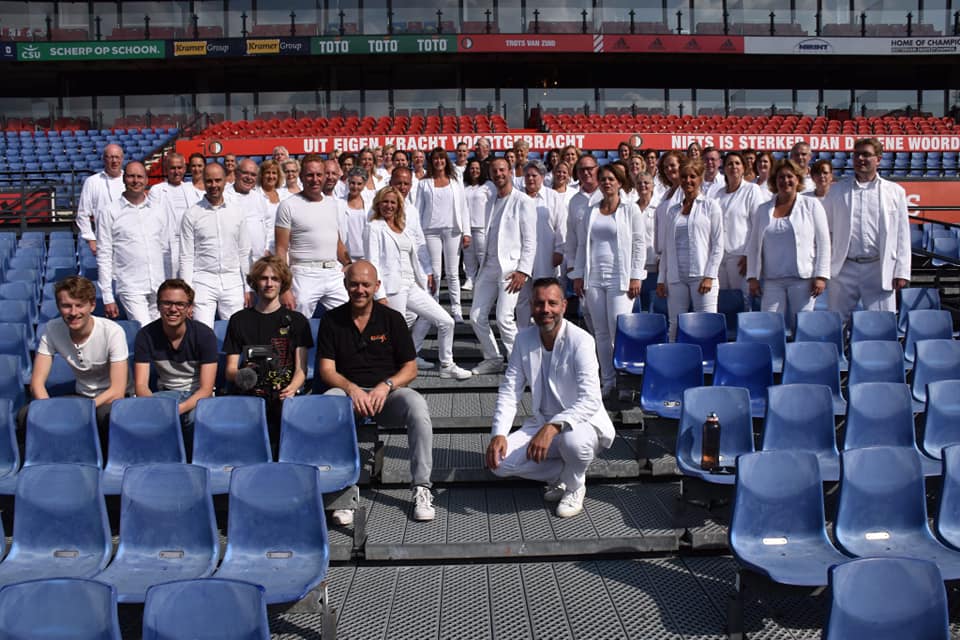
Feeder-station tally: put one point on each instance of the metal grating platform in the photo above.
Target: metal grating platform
(459, 457)
(704, 528)
(497, 522)
(469, 410)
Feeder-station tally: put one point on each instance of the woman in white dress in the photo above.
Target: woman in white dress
(738, 200)
(268, 185)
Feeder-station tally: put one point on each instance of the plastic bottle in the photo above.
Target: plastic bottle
(710, 443)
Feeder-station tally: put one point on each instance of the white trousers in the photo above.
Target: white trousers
(313, 285)
(141, 307)
(859, 283)
(471, 255)
(787, 296)
(568, 457)
(213, 302)
(414, 299)
(444, 247)
(680, 295)
(605, 304)
(730, 278)
(490, 288)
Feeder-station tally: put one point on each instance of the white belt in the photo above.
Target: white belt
(322, 264)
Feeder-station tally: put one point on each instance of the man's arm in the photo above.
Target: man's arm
(282, 241)
(233, 359)
(85, 211)
(904, 252)
(508, 398)
(141, 379)
(42, 364)
(208, 377)
(327, 370)
(299, 374)
(105, 262)
(186, 248)
(118, 384)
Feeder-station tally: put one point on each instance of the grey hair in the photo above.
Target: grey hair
(537, 165)
(357, 172)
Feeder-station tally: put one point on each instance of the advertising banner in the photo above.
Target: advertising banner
(277, 46)
(382, 45)
(530, 43)
(65, 51)
(8, 50)
(852, 46)
(213, 48)
(672, 44)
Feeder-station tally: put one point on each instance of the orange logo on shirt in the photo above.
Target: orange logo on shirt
(382, 338)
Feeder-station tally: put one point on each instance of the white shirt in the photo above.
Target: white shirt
(340, 190)
(131, 242)
(550, 404)
(214, 245)
(580, 205)
(649, 227)
(441, 208)
(477, 196)
(91, 360)
(493, 233)
(356, 222)
(780, 249)
(98, 191)
(738, 209)
(864, 220)
(258, 219)
(712, 188)
(174, 202)
(315, 227)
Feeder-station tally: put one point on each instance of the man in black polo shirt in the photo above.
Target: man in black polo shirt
(365, 352)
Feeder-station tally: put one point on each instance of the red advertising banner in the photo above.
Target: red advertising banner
(934, 193)
(530, 43)
(613, 43)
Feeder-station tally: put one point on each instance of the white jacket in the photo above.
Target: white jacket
(381, 248)
(424, 201)
(705, 233)
(574, 379)
(516, 235)
(631, 244)
(550, 232)
(810, 233)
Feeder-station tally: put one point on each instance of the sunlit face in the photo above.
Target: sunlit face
(270, 179)
(866, 160)
(608, 183)
(230, 163)
(246, 176)
(587, 173)
(763, 165)
(348, 164)
(671, 169)
(787, 182)
(690, 182)
(76, 313)
(511, 157)
(645, 186)
(361, 283)
(174, 306)
(355, 186)
(801, 155)
(651, 163)
(438, 161)
(268, 284)
(462, 153)
(623, 151)
(561, 175)
(135, 178)
(388, 207)
(331, 175)
(749, 159)
(176, 170)
(419, 159)
(290, 173)
(311, 175)
(400, 160)
(532, 180)
(694, 151)
(402, 182)
(214, 180)
(711, 162)
(280, 155)
(112, 160)
(474, 171)
(570, 156)
(366, 161)
(548, 305)
(822, 177)
(733, 169)
(196, 169)
(637, 165)
(500, 173)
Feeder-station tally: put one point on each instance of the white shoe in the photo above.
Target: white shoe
(467, 285)
(423, 510)
(571, 503)
(343, 517)
(455, 372)
(424, 364)
(489, 365)
(554, 492)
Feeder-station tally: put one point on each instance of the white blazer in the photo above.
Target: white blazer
(381, 248)
(810, 233)
(461, 215)
(574, 380)
(550, 232)
(631, 244)
(516, 235)
(893, 232)
(705, 234)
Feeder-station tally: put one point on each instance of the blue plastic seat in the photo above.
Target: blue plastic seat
(60, 527)
(59, 267)
(948, 248)
(321, 431)
(229, 432)
(881, 414)
(62, 430)
(948, 513)
(876, 361)
(887, 599)
(142, 430)
(730, 302)
(220, 330)
(20, 312)
(635, 332)
(913, 298)
(208, 608)
(778, 524)
(11, 385)
(936, 360)
(748, 365)
(815, 363)
(766, 327)
(30, 276)
(9, 451)
(941, 420)
(59, 608)
(277, 532)
(130, 330)
(882, 509)
(800, 418)
(732, 406)
(704, 329)
(670, 370)
(821, 326)
(167, 529)
(14, 341)
(24, 261)
(926, 324)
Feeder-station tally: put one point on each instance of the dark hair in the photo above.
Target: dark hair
(734, 154)
(549, 281)
(819, 164)
(279, 267)
(448, 169)
(467, 180)
(196, 155)
(343, 158)
(77, 287)
(176, 283)
(618, 172)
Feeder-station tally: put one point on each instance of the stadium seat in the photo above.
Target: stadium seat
(20, 312)
(732, 406)
(229, 432)
(876, 361)
(936, 360)
(48, 311)
(276, 532)
(321, 431)
(9, 450)
(766, 327)
(11, 386)
(948, 513)
(800, 418)
(821, 326)
(941, 419)
(59, 608)
(926, 324)
(62, 430)
(913, 298)
(167, 529)
(142, 430)
(873, 325)
(815, 363)
(14, 341)
(60, 527)
(887, 599)
(748, 365)
(948, 248)
(882, 509)
(130, 330)
(730, 303)
(209, 608)
(670, 370)
(220, 330)
(704, 329)
(635, 332)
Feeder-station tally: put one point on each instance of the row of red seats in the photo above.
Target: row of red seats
(353, 125)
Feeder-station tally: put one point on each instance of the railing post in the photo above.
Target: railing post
(819, 24)
(583, 24)
(910, 24)
(146, 27)
(196, 26)
(488, 13)
(97, 22)
(863, 24)
(679, 22)
(773, 29)
(633, 25)
(536, 20)
(342, 15)
(49, 22)
(293, 24)
(243, 24)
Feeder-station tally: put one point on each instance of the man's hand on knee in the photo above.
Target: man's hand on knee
(496, 451)
(288, 300)
(540, 444)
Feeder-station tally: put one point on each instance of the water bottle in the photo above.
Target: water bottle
(710, 443)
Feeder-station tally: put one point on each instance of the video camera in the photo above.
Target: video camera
(260, 373)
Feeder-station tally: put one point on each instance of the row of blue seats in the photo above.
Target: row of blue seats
(86, 133)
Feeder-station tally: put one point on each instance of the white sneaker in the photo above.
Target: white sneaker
(423, 510)
(571, 503)
(343, 517)
(453, 371)
(424, 364)
(467, 285)
(554, 492)
(490, 365)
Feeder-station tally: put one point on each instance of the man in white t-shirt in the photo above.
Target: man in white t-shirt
(309, 236)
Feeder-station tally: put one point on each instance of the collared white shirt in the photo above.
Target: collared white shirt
(579, 206)
(551, 230)
(260, 223)
(712, 188)
(98, 191)
(214, 245)
(174, 201)
(130, 248)
(865, 220)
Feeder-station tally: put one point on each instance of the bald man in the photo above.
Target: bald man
(173, 197)
(98, 191)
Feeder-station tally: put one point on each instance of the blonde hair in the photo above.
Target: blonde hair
(399, 216)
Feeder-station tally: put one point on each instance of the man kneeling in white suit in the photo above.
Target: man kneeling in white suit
(569, 426)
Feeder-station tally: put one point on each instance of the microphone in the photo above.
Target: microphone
(246, 379)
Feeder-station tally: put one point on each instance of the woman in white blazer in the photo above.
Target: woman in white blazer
(391, 246)
(788, 247)
(609, 267)
(445, 221)
(738, 201)
(690, 245)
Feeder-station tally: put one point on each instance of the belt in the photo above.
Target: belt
(863, 260)
(323, 264)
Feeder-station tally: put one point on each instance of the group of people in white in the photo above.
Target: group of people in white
(677, 225)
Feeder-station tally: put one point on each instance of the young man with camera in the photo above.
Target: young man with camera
(273, 339)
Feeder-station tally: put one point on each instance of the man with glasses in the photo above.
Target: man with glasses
(579, 207)
(183, 353)
(870, 231)
(245, 195)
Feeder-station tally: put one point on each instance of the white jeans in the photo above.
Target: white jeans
(859, 283)
(413, 298)
(681, 294)
(605, 304)
(313, 285)
(211, 301)
(471, 255)
(568, 457)
(490, 288)
(444, 246)
(730, 278)
(141, 307)
(787, 296)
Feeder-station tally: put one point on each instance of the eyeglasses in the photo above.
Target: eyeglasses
(173, 304)
(864, 154)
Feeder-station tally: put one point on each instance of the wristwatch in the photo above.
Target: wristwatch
(389, 383)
